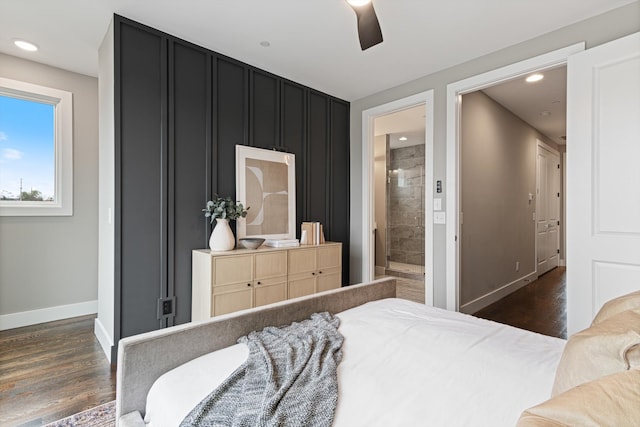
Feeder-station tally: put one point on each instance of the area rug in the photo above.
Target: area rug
(100, 416)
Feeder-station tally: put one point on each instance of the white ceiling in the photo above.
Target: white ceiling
(313, 42)
(542, 104)
(408, 123)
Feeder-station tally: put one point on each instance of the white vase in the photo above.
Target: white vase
(222, 237)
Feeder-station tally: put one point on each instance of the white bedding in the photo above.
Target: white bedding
(403, 364)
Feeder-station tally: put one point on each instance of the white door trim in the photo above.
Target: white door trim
(454, 96)
(368, 137)
(547, 147)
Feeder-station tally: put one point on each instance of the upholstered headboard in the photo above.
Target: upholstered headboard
(145, 357)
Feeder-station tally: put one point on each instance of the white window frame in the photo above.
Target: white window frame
(62, 101)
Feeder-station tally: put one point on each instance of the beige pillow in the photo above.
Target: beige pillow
(610, 346)
(613, 401)
(617, 305)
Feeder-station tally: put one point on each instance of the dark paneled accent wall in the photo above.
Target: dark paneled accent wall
(141, 214)
(338, 206)
(294, 138)
(188, 167)
(180, 111)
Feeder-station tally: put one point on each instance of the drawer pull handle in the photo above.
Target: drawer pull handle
(320, 272)
(258, 283)
(248, 284)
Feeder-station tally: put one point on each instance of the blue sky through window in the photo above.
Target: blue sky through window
(26, 147)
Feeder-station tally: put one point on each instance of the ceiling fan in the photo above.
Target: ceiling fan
(368, 26)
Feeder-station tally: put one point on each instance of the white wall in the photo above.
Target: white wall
(49, 265)
(594, 31)
(104, 326)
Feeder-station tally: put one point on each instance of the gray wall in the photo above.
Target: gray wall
(593, 32)
(498, 171)
(406, 205)
(48, 262)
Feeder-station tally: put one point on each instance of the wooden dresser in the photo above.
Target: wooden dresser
(223, 282)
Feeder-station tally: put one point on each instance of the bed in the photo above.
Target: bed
(403, 363)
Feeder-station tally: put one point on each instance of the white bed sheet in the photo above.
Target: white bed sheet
(404, 364)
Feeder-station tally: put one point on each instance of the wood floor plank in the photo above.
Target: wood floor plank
(52, 370)
(540, 307)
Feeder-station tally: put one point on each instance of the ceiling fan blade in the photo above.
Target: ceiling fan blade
(368, 26)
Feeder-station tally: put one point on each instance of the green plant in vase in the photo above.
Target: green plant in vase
(223, 209)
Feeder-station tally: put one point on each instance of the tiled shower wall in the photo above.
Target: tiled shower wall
(405, 207)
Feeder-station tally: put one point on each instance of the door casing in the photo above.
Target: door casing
(368, 187)
(454, 104)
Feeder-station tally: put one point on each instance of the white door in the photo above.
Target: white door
(603, 177)
(547, 209)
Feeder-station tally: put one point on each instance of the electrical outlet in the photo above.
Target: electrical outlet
(517, 265)
(166, 307)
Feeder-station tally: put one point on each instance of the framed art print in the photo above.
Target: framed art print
(265, 182)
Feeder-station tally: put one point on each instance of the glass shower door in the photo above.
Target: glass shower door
(406, 210)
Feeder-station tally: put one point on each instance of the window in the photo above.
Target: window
(36, 150)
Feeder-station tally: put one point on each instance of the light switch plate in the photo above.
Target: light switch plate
(439, 218)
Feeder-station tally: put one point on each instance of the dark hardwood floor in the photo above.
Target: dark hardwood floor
(541, 306)
(52, 370)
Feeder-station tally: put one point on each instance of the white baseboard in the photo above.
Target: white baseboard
(103, 338)
(49, 314)
(493, 296)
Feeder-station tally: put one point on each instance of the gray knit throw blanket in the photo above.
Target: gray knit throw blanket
(289, 379)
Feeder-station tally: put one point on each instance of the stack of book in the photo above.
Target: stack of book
(281, 243)
(311, 233)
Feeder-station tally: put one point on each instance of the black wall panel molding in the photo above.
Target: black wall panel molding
(317, 162)
(180, 111)
(264, 111)
(141, 119)
(293, 137)
(189, 124)
(232, 120)
(339, 179)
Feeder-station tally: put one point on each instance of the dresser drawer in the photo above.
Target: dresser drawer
(232, 269)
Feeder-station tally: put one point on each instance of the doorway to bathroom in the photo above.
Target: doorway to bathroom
(399, 172)
(413, 114)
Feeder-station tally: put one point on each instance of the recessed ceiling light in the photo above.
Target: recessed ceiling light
(265, 43)
(534, 78)
(358, 2)
(402, 138)
(25, 45)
